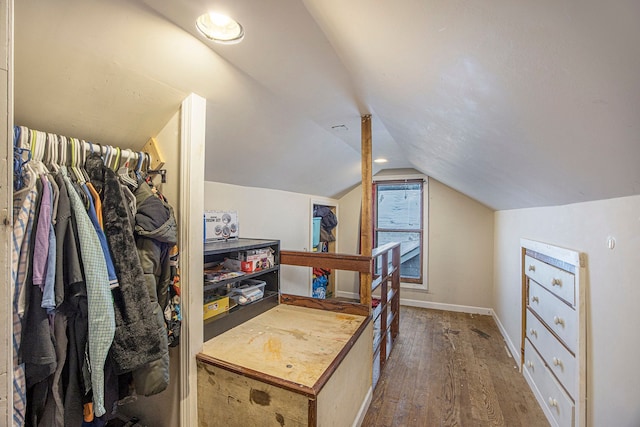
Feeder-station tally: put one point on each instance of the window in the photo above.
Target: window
(398, 217)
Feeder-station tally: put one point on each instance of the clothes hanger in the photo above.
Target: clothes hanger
(83, 159)
(38, 142)
(108, 156)
(139, 165)
(19, 160)
(116, 161)
(123, 171)
(74, 160)
(47, 150)
(64, 153)
(51, 152)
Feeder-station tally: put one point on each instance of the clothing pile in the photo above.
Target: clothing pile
(95, 283)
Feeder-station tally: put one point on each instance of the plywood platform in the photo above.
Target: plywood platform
(291, 364)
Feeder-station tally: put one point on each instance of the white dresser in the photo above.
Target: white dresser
(554, 331)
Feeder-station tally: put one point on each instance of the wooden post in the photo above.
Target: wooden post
(366, 220)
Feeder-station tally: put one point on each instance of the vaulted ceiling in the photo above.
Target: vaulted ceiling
(516, 104)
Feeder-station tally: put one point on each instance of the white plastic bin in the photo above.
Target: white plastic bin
(248, 291)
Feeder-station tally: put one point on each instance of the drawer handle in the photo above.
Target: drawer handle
(535, 299)
(534, 332)
(557, 362)
(556, 282)
(553, 402)
(532, 267)
(529, 364)
(558, 320)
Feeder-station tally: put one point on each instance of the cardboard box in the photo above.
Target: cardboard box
(220, 225)
(256, 259)
(216, 306)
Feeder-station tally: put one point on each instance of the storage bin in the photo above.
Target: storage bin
(248, 291)
(316, 230)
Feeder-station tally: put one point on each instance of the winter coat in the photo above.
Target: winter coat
(138, 339)
(156, 234)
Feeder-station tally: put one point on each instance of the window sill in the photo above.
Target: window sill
(414, 286)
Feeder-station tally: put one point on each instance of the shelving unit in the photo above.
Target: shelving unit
(216, 252)
(326, 247)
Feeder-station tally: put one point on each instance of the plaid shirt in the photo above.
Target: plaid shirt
(102, 322)
(24, 207)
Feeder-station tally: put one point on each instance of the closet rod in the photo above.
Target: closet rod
(108, 152)
(127, 153)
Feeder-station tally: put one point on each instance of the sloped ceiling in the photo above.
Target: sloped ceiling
(516, 104)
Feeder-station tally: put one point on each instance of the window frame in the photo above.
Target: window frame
(421, 231)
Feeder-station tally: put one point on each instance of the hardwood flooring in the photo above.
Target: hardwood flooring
(451, 369)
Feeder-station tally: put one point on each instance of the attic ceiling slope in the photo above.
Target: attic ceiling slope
(513, 104)
(72, 76)
(288, 56)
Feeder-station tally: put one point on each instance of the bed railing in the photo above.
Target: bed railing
(379, 277)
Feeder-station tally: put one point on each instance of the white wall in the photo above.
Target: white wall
(460, 250)
(613, 316)
(347, 284)
(270, 214)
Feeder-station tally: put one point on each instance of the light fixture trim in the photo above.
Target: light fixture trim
(220, 28)
(380, 160)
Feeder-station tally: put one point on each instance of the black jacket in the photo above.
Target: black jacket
(156, 233)
(137, 339)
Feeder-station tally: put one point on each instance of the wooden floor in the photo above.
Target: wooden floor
(451, 369)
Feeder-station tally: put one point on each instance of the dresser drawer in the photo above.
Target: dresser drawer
(560, 317)
(556, 356)
(556, 280)
(554, 399)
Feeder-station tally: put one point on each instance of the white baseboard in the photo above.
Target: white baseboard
(429, 304)
(446, 307)
(515, 352)
(363, 409)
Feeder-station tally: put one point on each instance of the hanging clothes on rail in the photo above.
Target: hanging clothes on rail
(101, 317)
(155, 234)
(137, 340)
(92, 277)
(24, 205)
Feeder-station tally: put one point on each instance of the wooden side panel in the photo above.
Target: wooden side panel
(342, 396)
(325, 304)
(232, 400)
(326, 260)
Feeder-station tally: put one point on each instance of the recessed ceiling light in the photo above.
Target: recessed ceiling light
(220, 28)
(380, 160)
